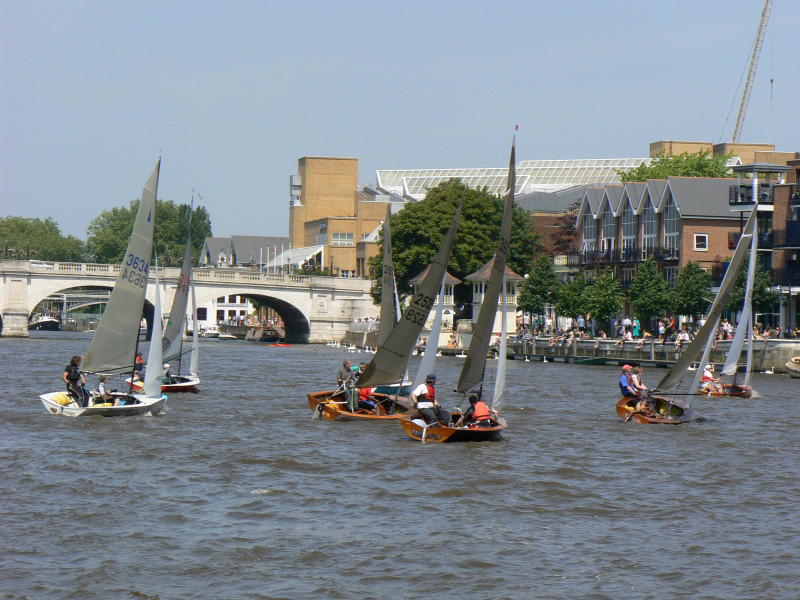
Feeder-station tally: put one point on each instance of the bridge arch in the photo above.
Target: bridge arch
(295, 323)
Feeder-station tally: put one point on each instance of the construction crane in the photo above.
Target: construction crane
(748, 86)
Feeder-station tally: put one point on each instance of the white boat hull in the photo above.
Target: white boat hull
(73, 409)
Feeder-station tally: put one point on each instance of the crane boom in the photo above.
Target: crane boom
(748, 86)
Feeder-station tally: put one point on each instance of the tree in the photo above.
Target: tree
(418, 231)
(604, 297)
(764, 299)
(649, 291)
(691, 294)
(571, 298)
(565, 236)
(700, 164)
(540, 286)
(108, 234)
(38, 239)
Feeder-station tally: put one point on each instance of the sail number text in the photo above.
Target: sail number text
(419, 308)
(183, 284)
(135, 271)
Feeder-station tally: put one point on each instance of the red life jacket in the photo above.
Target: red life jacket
(430, 396)
(480, 412)
(364, 393)
(707, 376)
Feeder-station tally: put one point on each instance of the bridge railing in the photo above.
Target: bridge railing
(200, 274)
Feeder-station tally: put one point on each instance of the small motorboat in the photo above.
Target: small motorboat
(793, 367)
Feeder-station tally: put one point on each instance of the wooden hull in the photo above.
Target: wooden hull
(180, 385)
(439, 433)
(666, 412)
(333, 407)
(793, 367)
(140, 405)
(729, 389)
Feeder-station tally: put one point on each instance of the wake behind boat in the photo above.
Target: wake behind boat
(113, 347)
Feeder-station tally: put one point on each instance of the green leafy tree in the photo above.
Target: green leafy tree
(571, 300)
(38, 239)
(418, 231)
(604, 297)
(540, 287)
(691, 294)
(108, 234)
(700, 164)
(649, 291)
(764, 299)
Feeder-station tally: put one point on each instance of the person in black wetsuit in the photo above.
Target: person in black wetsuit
(75, 381)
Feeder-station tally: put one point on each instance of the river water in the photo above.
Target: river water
(236, 492)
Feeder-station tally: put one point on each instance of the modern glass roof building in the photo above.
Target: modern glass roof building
(532, 176)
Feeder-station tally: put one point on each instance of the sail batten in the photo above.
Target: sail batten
(389, 363)
(113, 346)
(473, 369)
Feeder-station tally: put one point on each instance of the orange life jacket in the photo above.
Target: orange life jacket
(364, 393)
(480, 412)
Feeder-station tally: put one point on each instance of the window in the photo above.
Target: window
(672, 221)
(650, 230)
(608, 231)
(628, 227)
(342, 239)
(320, 239)
(589, 232)
(202, 314)
(671, 274)
(701, 242)
(364, 236)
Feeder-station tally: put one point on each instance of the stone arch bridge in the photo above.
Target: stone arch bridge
(313, 309)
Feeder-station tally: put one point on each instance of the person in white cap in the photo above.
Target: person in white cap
(424, 399)
(167, 377)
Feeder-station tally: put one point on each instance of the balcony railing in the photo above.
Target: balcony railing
(742, 195)
(788, 238)
(628, 255)
(765, 240)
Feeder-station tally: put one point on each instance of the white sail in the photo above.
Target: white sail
(673, 377)
(432, 347)
(113, 346)
(745, 319)
(387, 283)
(176, 325)
(194, 363)
(389, 363)
(472, 372)
(152, 378)
(750, 341)
(500, 378)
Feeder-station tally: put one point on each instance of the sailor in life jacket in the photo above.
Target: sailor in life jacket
(708, 383)
(424, 399)
(478, 414)
(626, 384)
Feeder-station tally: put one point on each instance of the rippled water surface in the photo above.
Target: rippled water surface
(236, 492)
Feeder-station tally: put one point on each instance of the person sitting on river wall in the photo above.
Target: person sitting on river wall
(424, 399)
(478, 414)
(626, 384)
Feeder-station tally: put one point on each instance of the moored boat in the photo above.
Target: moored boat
(793, 367)
(42, 322)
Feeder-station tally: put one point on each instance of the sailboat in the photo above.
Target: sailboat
(388, 366)
(472, 373)
(113, 346)
(666, 409)
(744, 334)
(172, 342)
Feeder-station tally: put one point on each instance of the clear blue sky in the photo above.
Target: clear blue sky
(233, 93)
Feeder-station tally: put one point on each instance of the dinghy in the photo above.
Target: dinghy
(113, 346)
